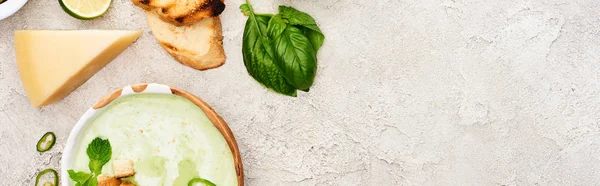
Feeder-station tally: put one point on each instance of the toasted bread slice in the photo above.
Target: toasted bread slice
(199, 45)
(182, 12)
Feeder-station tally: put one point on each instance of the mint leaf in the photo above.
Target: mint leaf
(92, 182)
(99, 152)
(80, 178)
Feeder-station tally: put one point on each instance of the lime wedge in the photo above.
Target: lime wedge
(85, 9)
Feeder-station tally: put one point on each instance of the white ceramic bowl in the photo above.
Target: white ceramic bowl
(9, 7)
(68, 154)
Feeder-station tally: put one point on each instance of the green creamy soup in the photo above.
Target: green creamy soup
(169, 139)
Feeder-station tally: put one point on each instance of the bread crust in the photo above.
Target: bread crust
(213, 58)
(191, 13)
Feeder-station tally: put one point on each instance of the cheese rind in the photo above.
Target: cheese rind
(52, 64)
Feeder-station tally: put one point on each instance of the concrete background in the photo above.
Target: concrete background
(408, 92)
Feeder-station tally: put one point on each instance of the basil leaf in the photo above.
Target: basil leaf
(99, 152)
(245, 9)
(310, 28)
(294, 53)
(297, 17)
(316, 38)
(276, 26)
(258, 54)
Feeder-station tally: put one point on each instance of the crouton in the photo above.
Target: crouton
(108, 181)
(123, 168)
(126, 183)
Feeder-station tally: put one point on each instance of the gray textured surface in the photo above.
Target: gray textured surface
(408, 92)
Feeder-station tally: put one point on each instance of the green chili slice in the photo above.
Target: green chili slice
(200, 180)
(48, 145)
(47, 184)
(37, 178)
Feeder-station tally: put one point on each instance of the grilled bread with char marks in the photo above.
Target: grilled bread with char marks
(199, 45)
(182, 12)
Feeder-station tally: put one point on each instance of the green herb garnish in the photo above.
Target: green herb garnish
(280, 51)
(99, 151)
(44, 144)
(82, 178)
(200, 181)
(306, 23)
(44, 172)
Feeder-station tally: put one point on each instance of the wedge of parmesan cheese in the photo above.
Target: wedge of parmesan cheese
(54, 63)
